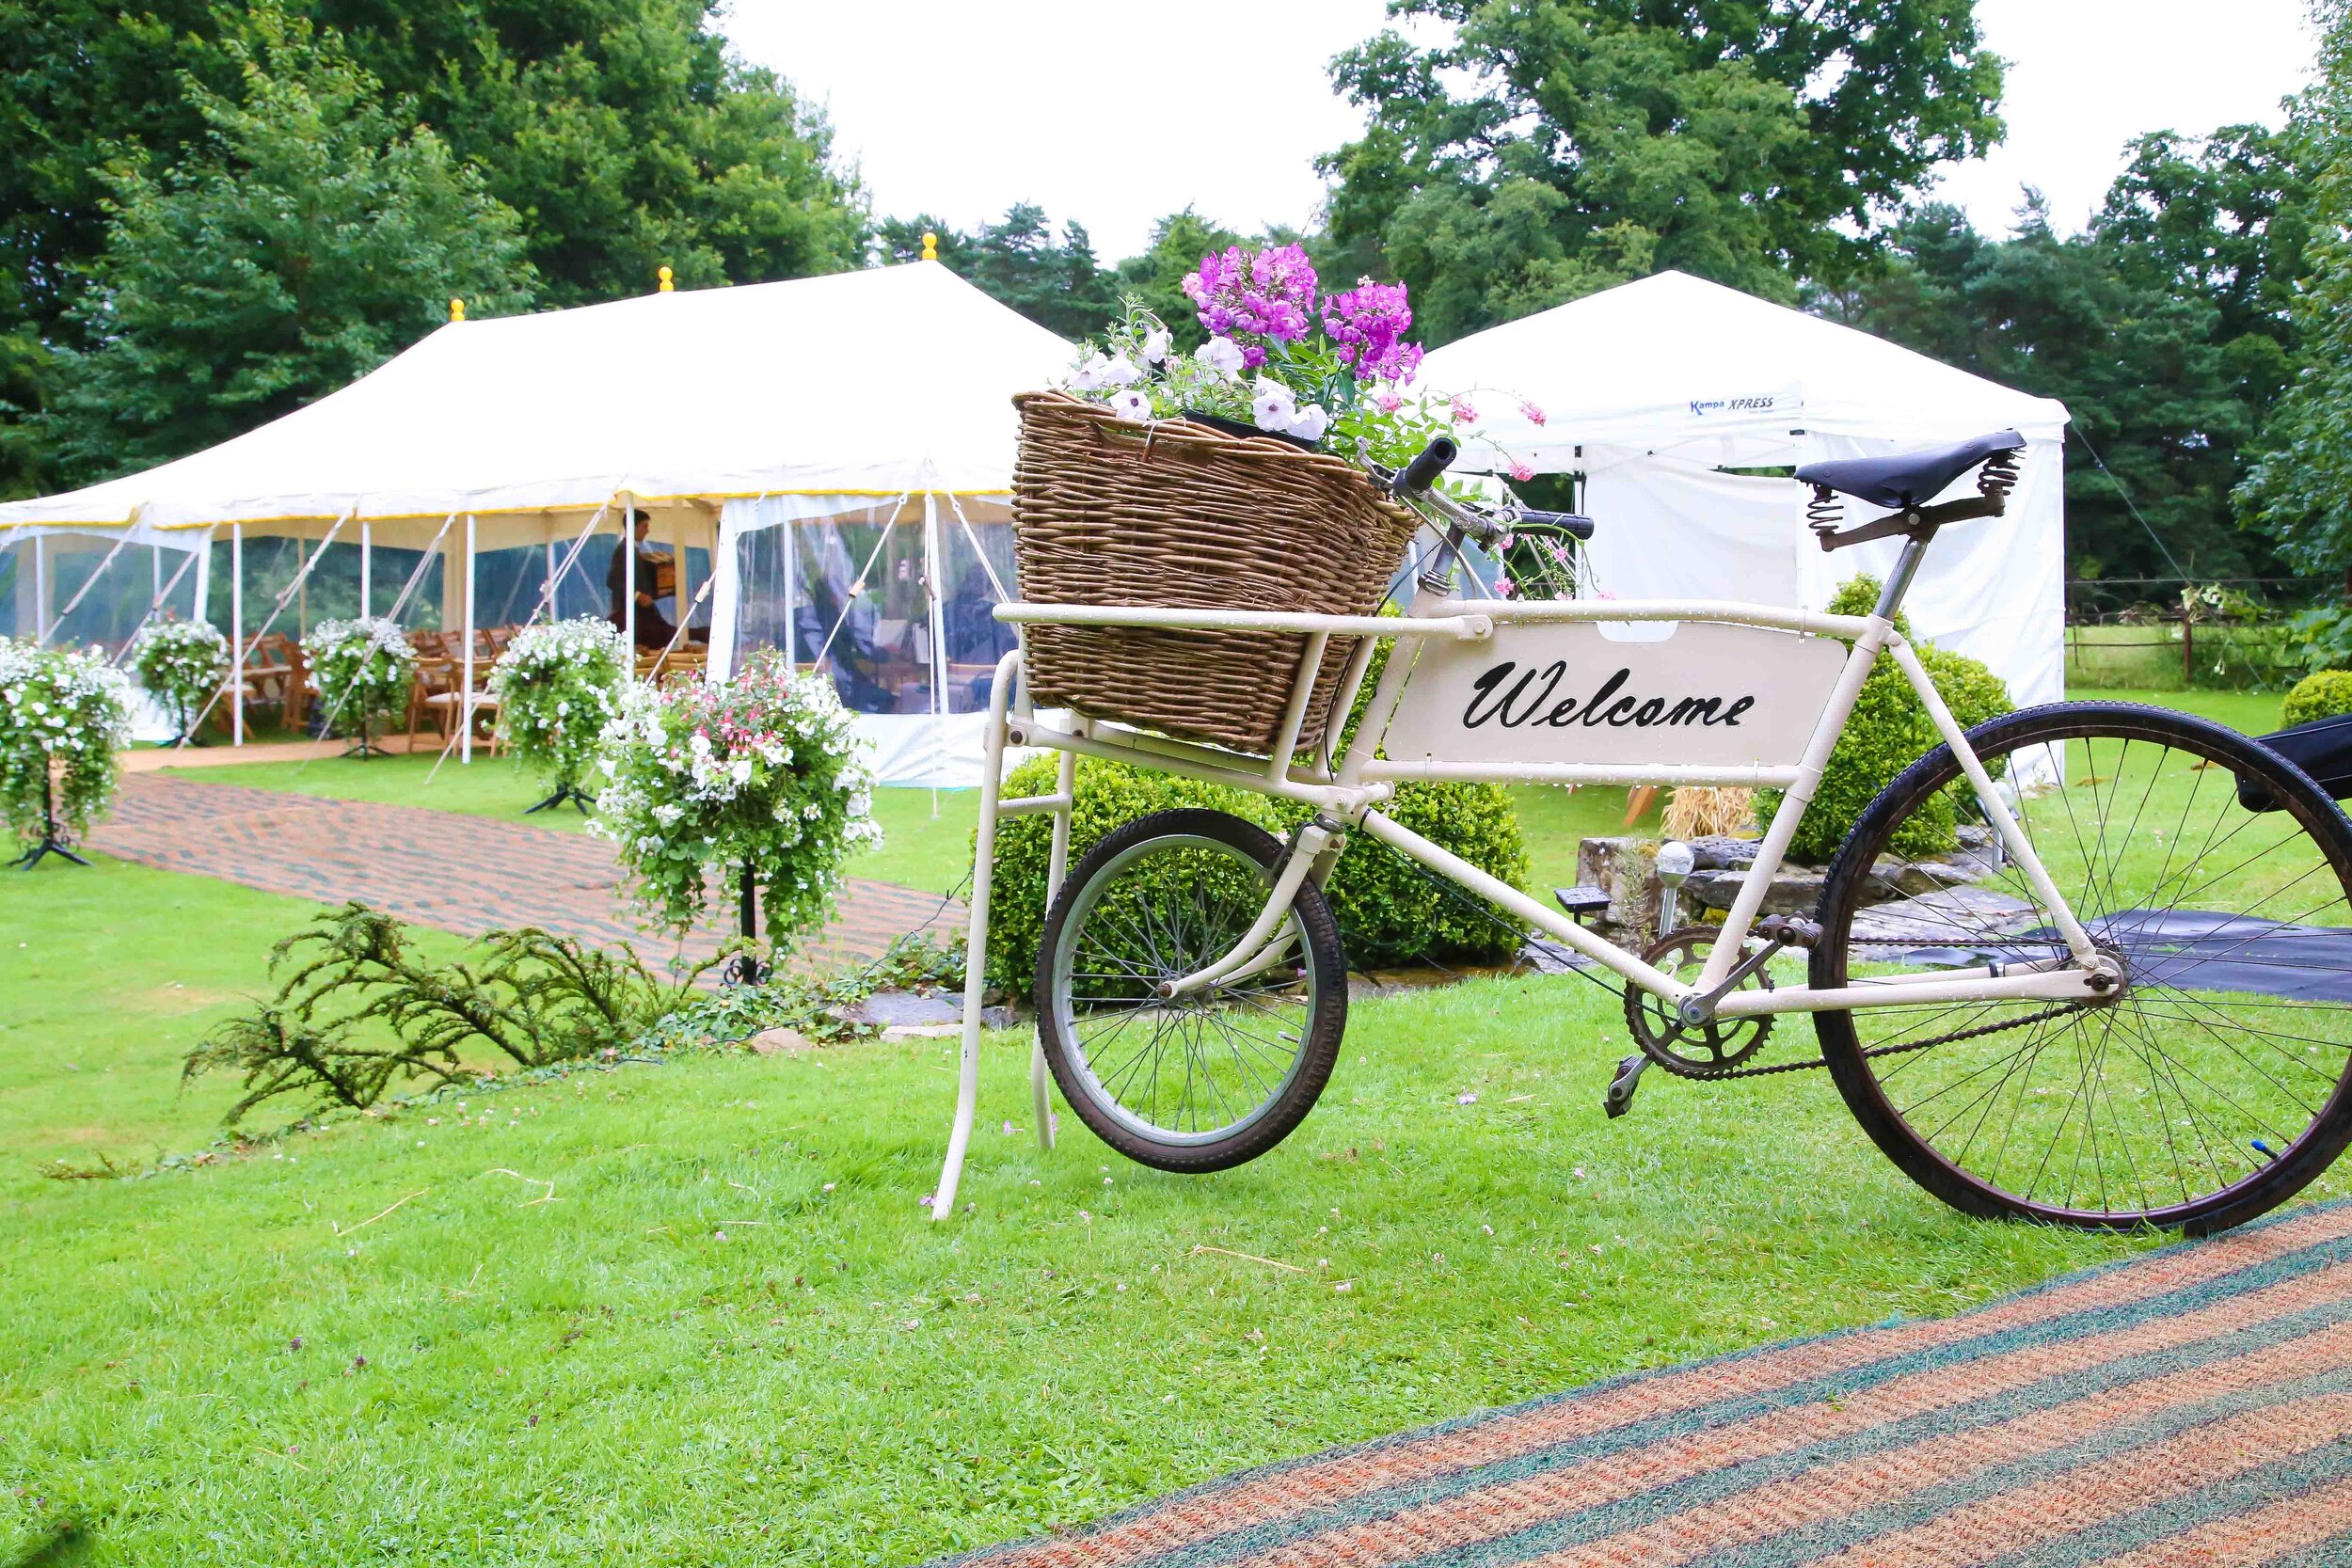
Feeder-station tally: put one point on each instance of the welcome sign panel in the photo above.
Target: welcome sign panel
(1705, 694)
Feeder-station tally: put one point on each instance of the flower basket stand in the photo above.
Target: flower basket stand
(50, 842)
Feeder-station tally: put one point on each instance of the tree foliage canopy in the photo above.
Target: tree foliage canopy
(314, 238)
(1554, 146)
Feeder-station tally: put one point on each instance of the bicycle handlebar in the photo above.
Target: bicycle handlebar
(1422, 471)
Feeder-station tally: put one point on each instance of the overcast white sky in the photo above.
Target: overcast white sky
(1115, 113)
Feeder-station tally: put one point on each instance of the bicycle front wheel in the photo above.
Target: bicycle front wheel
(1206, 1080)
(2211, 1085)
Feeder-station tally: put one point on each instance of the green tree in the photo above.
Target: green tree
(621, 132)
(1554, 146)
(1157, 276)
(2298, 488)
(1057, 283)
(319, 234)
(2149, 326)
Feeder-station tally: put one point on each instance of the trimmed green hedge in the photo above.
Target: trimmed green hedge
(1388, 914)
(1888, 731)
(2320, 696)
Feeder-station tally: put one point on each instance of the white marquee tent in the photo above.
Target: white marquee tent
(836, 452)
(1665, 394)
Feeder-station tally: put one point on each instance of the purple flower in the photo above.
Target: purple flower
(1254, 293)
(1368, 322)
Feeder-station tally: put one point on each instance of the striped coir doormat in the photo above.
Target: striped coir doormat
(2190, 1406)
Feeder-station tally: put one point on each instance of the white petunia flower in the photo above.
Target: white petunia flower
(1221, 357)
(1275, 405)
(1132, 404)
(1310, 422)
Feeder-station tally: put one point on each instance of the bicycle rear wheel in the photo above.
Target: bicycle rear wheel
(2211, 1086)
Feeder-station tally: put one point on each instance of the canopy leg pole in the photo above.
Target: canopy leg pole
(976, 939)
(367, 569)
(236, 634)
(628, 578)
(40, 594)
(550, 590)
(465, 702)
(1057, 870)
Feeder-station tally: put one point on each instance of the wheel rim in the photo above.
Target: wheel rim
(2227, 1042)
(1193, 1069)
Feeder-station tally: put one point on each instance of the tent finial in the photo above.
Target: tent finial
(664, 275)
(931, 245)
(457, 308)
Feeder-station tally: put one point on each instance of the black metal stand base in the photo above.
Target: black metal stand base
(32, 857)
(745, 969)
(566, 791)
(365, 749)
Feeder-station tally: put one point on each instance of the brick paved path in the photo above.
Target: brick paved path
(463, 874)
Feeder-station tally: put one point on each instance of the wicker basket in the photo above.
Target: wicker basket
(1110, 512)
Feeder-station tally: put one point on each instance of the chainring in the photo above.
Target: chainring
(1691, 1051)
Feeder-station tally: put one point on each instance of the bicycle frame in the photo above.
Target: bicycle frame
(1347, 796)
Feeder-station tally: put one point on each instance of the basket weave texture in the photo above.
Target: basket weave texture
(1114, 513)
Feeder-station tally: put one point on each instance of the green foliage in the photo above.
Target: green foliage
(605, 138)
(1055, 283)
(180, 664)
(2322, 695)
(760, 776)
(61, 713)
(557, 685)
(1156, 277)
(1110, 795)
(1388, 912)
(1543, 152)
(362, 670)
(536, 1000)
(2298, 488)
(2165, 356)
(318, 234)
(1888, 732)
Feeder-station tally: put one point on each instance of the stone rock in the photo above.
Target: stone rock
(1796, 889)
(769, 1041)
(1948, 917)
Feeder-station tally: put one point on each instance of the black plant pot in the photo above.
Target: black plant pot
(1237, 427)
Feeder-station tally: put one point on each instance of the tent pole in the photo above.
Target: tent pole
(550, 585)
(367, 568)
(465, 703)
(41, 593)
(938, 639)
(236, 634)
(629, 576)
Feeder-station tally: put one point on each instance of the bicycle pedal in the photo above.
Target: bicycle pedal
(1619, 1099)
(1789, 931)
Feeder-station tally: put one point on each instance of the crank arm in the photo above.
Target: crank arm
(1695, 1011)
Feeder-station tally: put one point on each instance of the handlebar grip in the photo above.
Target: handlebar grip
(1569, 523)
(1424, 470)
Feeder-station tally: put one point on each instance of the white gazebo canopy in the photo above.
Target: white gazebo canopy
(870, 403)
(1668, 395)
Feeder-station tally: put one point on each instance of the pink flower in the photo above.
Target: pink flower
(1503, 590)
(1521, 472)
(1389, 403)
(1532, 414)
(1463, 412)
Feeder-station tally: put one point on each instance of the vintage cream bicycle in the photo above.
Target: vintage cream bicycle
(2088, 962)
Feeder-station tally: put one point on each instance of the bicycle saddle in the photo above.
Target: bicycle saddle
(1907, 479)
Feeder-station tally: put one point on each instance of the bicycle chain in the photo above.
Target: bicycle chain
(1979, 1030)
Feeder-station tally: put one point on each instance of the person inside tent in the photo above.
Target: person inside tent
(657, 584)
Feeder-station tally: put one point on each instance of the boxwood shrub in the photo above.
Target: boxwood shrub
(1388, 914)
(1888, 731)
(2320, 696)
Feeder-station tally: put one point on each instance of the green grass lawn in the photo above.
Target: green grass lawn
(729, 1333)
(693, 1312)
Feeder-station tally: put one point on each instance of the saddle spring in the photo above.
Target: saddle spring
(1826, 511)
(1998, 475)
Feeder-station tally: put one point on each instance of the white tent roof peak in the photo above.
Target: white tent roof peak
(1673, 361)
(887, 380)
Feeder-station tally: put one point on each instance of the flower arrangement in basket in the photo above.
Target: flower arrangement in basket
(361, 670)
(761, 776)
(558, 684)
(1228, 478)
(63, 715)
(180, 664)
